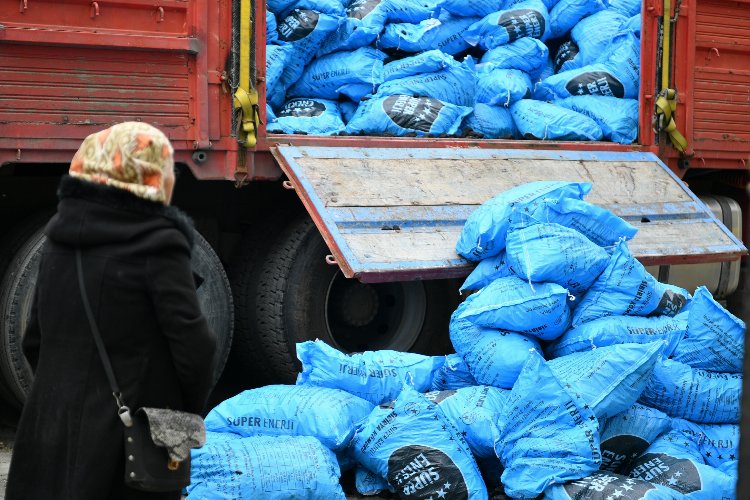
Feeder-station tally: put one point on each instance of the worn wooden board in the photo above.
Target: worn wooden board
(396, 214)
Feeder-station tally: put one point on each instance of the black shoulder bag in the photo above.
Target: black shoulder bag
(157, 441)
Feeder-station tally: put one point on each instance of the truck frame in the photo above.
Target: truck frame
(196, 69)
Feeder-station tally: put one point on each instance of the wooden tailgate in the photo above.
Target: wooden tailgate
(396, 214)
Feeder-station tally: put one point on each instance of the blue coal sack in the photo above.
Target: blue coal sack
(473, 8)
(484, 232)
(276, 59)
(376, 376)
(492, 122)
(567, 57)
(278, 410)
(549, 252)
(501, 87)
(411, 11)
(603, 485)
(717, 443)
(625, 436)
(271, 34)
(625, 288)
(525, 54)
(613, 330)
(597, 224)
(547, 435)
(608, 379)
(272, 468)
(430, 61)
(594, 34)
(618, 118)
(493, 357)
(616, 75)
(528, 18)
(540, 309)
(473, 411)
(566, 14)
(369, 484)
(715, 338)
(452, 84)
(403, 114)
(308, 116)
(444, 34)
(327, 76)
(363, 23)
(696, 395)
(454, 374)
(414, 446)
(544, 121)
(305, 30)
(673, 461)
(487, 271)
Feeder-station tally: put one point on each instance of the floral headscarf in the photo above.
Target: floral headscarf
(131, 155)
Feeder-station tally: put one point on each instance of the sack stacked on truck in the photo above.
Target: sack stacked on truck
(592, 46)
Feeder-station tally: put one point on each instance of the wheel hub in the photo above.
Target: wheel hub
(363, 317)
(358, 305)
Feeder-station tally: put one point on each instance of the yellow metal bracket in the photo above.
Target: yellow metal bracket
(666, 102)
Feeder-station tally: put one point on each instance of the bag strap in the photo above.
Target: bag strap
(122, 409)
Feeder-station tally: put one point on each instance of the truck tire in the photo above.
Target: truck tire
(301, 297)
(245, 368)
(11, 245)
(17, 290)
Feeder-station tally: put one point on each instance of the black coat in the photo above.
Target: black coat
(136, 263)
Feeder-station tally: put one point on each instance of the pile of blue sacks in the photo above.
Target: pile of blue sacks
(576, 374)
(565, 70)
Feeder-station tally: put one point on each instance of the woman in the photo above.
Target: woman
(114, 206)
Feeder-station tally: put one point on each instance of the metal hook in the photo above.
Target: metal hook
(23, 6)
(94, 9)
(331, 260)
(160, 12)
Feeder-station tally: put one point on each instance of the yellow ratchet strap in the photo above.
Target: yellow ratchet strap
(665, 106)
(246, 97)
(666, 102)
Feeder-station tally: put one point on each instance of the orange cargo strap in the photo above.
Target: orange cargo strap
(666, 102)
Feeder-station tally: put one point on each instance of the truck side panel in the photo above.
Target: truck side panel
(69, 68)
(712, 76)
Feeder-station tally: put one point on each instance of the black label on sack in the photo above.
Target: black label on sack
(438, 397)
(423, 472)
(619, 451)
(607, 485)
(360, 9)
(567, 52)
(670, 304)
(595, 83)
(676, 473)
(522, 23)
(413, 113)
(298, 24)
(302, 107)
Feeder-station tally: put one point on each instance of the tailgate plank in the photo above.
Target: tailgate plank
(389, 214)
(346, 182)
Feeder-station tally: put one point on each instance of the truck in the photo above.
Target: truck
(350, 239)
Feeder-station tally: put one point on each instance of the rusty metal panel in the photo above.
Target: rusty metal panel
(712, 75)
(393, 214)
(93, 87)
(71, 67)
